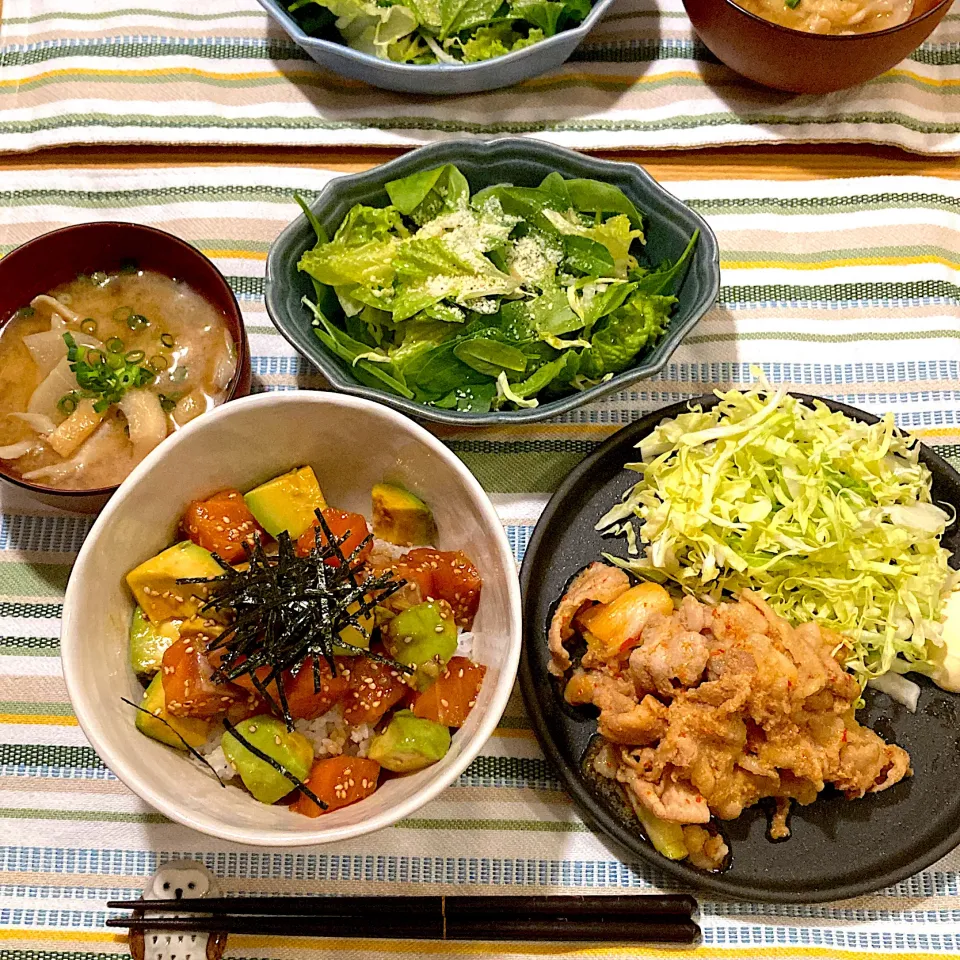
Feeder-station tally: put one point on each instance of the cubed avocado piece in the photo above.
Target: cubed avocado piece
(409, 743)
(424, 637)
(290, 749)
(355, 637)
(287, 502)
(400, 517)
(154, 582)
(194, 731)
(148, 641)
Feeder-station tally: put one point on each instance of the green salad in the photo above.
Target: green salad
(493, 301)
(437, 31)
(829, 519)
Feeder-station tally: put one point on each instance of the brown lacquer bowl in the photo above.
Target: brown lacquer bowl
(807, 62)
(57, 257)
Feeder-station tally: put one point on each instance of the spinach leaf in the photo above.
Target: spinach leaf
(344, 346)
(552, 315)
(599, 304)
(662, 280)
(541, 378)
(438, 371)
(477, 398)
(587, 257)
(428, 194)
(527, 203)
(490, 356)
(554, 185)
(427, 12)
(594, 196)
(312, 218)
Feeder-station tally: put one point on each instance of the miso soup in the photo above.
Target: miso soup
(98, 371)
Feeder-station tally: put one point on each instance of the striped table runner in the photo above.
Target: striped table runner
(174, 71)
(844, 288)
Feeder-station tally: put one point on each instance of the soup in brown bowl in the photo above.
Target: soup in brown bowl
(98, 371)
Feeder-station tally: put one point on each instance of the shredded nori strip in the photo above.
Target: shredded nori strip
(276, 764)
(287, 609)
(177, 733)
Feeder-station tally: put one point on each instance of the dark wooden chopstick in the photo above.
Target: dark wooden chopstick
(574, 929)
(587, 907)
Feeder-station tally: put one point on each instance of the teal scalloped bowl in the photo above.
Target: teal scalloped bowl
(669, 224)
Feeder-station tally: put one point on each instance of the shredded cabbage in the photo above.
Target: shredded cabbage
(829, 519)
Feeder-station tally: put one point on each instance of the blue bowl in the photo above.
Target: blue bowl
(668, 226)
(441, 78)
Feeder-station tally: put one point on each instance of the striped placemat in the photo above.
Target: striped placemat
(174, 71)
(842, 288)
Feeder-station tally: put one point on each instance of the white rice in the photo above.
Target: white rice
(330, 735)
(465, 644)
(383, 548)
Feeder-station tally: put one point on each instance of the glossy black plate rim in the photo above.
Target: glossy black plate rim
(590, 808)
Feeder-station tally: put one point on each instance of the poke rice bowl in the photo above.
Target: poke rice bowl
(351, 444)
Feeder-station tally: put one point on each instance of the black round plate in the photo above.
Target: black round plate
(839, 848)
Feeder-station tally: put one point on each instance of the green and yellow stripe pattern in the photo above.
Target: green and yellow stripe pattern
(116, 71)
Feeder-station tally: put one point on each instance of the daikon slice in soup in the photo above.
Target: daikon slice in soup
(832, 16)
(97, 372)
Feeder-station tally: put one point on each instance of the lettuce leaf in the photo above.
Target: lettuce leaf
(335, 263)
(625, 333)
(457, 15)
(429, 270)
(544, 14)
(495, 41)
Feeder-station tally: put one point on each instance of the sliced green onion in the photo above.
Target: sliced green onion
(115, 345)
(67, 404)
(167, 404)
(144, 376)
(95, 356)
(167, 339)
(115, 362)
(89, 326)
(137, 320)
(158, 362)
(25, 313)
(129, 266)
(134, 356)
(179, 375)
(99, 277)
